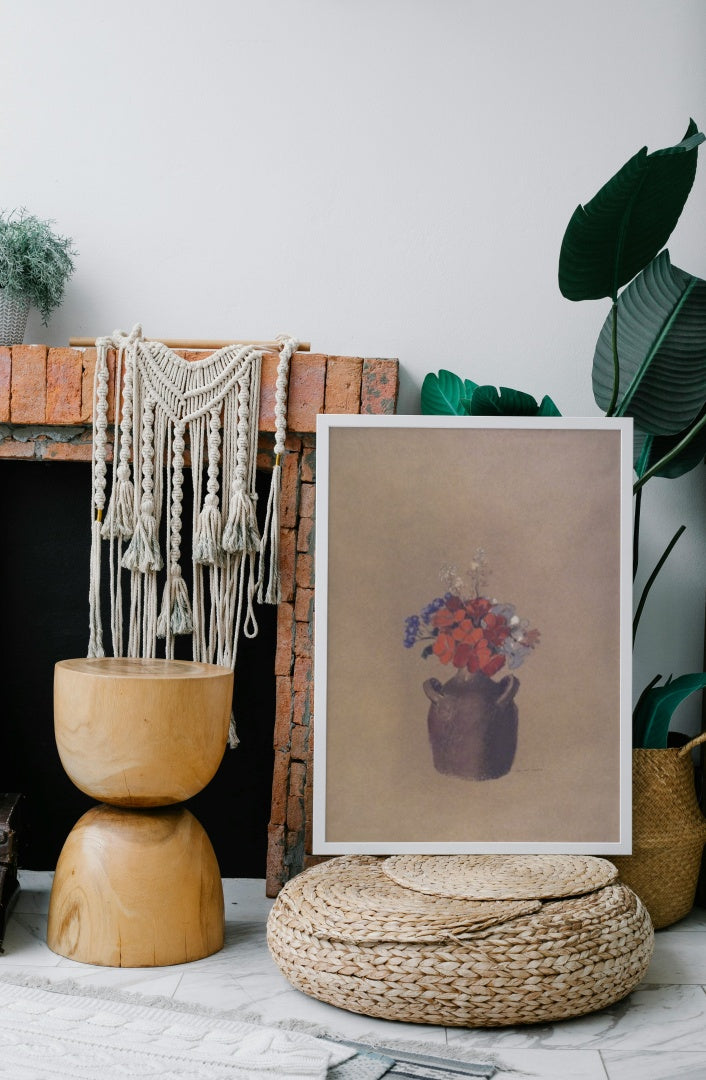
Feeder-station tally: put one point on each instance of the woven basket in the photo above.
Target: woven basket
(567, 958)
(669, 832)
(13, 318)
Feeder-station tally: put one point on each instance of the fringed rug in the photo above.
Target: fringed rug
(65, 1031)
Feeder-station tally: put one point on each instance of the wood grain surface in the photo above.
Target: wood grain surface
(141, 732)
(136, 888)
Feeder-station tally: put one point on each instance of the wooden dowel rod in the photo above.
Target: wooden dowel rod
(173, 343)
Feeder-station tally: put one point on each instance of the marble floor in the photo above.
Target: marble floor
(658, 1033)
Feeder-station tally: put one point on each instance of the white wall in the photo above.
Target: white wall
(382, 177)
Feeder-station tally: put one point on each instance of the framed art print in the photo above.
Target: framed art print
(473, 635)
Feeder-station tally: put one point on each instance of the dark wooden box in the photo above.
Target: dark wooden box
(10, 834)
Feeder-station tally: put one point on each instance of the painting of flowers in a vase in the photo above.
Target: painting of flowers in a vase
(473, 718)
(471, 669)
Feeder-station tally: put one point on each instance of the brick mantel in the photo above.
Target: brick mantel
(46, 397)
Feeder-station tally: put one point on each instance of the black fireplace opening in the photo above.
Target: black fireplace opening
(45, 524)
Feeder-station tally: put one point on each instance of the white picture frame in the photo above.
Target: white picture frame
(473, 579)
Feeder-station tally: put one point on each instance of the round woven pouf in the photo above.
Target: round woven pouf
(347, 933)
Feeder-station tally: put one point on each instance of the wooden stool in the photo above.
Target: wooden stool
(137, 886)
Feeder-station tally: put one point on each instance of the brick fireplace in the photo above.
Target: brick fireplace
(46, 415)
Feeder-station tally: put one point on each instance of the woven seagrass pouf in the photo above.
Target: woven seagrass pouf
(349, 933)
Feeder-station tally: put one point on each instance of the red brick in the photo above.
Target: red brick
(303, 641)
(284, 653)
(308, 463)
(307, 382)
(308, 811)
(302, 674)
(289, 499)
(28, 384)
(380, 386)
(306, 391)
(11, 448)
(305, 535)
(307, 500)
(304, 605)
(297, 779)
(275, 860)
(295, 816)
(300, 739)
(88, 372)
(343, 381)
(283, 712)
(280, 788)
(5, 374)
(301, 712)
(287, 562)
(64, 378)
(305, 571)
(54, 451)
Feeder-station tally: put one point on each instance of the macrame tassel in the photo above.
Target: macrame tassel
(175, 614)
(273, 593)
(120, 517)
(95, 640)
(143, 552)
(233, 740)
(241, 532)
(208, 548)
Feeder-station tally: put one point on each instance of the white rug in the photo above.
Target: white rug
(67, 1032)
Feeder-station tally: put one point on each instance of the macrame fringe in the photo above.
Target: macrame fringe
(208, 546)
(233, 740)
(95, 640)
(175, 615)
(142, 553)
(120, 518)
(273, 593)
(241, 532)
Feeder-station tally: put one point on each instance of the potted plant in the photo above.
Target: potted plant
(649, 364)
(35, 264)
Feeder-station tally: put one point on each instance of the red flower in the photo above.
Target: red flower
(496, 629)
(478, 608)
(444, 647)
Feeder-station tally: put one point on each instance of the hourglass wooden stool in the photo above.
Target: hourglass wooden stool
(137, 883)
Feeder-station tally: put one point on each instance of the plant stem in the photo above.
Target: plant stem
(651, 580)
(691, 433)
(616, 365)
(636, 533)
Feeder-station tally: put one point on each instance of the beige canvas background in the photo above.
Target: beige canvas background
(545, 506)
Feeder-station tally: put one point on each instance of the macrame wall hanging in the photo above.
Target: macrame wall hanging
(161, 400)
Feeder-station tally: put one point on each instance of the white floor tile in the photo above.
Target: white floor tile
(676, 1065)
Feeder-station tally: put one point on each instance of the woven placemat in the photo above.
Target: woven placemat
(500, 877)
(361, 903)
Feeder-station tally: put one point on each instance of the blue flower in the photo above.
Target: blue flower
(411, 630)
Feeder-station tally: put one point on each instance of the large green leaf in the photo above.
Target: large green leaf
(610, 239)
(653, 713)
(649, 450)
(445, 394)
(489, 401)
(661, 350)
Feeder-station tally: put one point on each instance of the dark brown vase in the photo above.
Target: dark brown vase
(472, 725)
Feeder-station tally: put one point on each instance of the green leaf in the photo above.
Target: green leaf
(443, 394)
(648, 450)
(653, 713)
(547, 407)
(661, 350)
(614, 236)
(502, 401)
